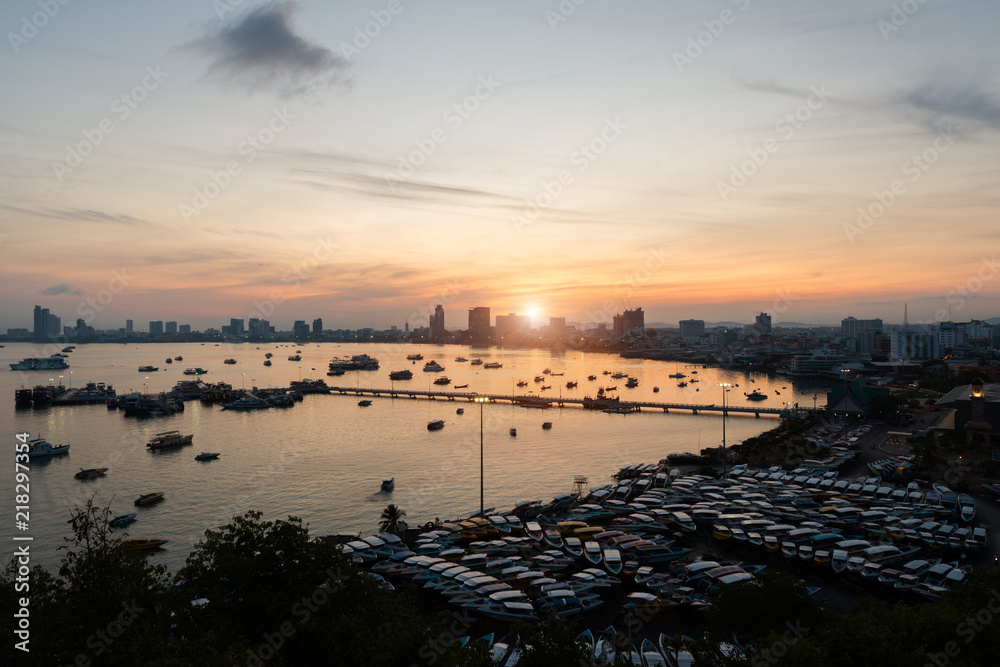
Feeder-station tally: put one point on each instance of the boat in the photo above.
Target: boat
(461, 386)
(142, 543)
(571, 384)
(194, 371)
(357, 362)
(295, 357)
(460, 411)
(656, 390)
(435, 425)
(389, 484)
(148, 498)
(266, 356)
(169, 439)
(207, 456)
(401, 375)
(755, 395)
(460, 359)
(53, 363)
(433, 366)
(90, 473)
(632, 382)
(415, 357)
(493, 364)
(122, 519)
(677, 375)
(229, 361)
(365, 403)
(513, 431)
(591, 377)
(267, 362)
(40, 447)
(168, 360)
(148, 369)
(524, 383)
(546, 425)
(248, 402)
(442, 380)
(476, 362)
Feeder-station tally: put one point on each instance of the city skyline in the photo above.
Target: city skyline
(708, 162)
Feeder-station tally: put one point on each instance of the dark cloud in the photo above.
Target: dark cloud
(262, 51)
(61, 288)
(946, 103)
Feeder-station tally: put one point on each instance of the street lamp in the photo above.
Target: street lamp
(146, 385)
(725, 390)
(845, 371)
(481, 400)
(244, 382)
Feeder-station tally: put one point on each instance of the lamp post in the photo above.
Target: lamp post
(725, 390)
(146, 385)
(71, 379)
(481, 400)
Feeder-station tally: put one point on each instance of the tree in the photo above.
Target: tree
(392, 519)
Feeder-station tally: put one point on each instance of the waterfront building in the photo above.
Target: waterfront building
(156, 328)
(170, 328)
(692, 329)
(318, 325)
(437, 322)
(300, 329)
(512, 327)
(630, 321)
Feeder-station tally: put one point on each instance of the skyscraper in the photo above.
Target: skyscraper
(128, 327)
(437, 322)
(156, 328)
(479, 324)
(318, 325)
(763, 324)
(170, 328)
(41, 329)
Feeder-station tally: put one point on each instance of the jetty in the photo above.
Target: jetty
(536, 401)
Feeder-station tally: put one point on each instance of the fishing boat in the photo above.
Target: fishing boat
(169, 439)
(40, 447)
(122, 519)
(461, 386)
(148, 498)
(90, 473)
(435, 425)
(389, 484)
(142, 543)
(207, 456)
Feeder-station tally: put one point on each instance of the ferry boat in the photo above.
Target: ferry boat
(148, 369)
(53, 363)
(90, 473)
(493, 364)
(401, 375)
(435, 425)
(358, 362)
(169, 439)
(148, 498)
(194, 371)
(433, 366)
(41, 447)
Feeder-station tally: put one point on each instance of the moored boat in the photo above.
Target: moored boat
(122, 519)
(389, 484)
(169, 439)
(435, 425)
(90, 473)
(148, 498)
(207, 456)
(142, 543)
(40, 447)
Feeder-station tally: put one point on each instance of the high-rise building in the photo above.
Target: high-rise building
(512, 327)
(437, 322)
(253, 326)
(184, 328)
(170, 328)
(236, 327)
(692, 329)
(763, 324)
(300, 329)
(952, 335)
(54, 326)
(156, 328)
(852, 328)
(630, 321)
(479, 323)
(41, 330)
(557, 328)
(128, 327)
(318, 325)
(913, 344)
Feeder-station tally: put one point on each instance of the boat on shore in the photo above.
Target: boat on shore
(435, 425)
(169, 439)
(40, 447)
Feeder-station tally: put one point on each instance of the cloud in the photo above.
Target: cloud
(61, 288)
(262, 51)
(948, 102)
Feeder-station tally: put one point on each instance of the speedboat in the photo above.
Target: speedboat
(142, 543)
(433, 366)
(148, 498)
(41, 447)
(755, 395)
(546, 425)
(229, 361)
(365, 403)
(435, 425)
(389, 484)
(90, 473)
(513, 431)
(123, 519)
(207, 456)
(169, 439)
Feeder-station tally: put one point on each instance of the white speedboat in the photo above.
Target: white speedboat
(41, 447)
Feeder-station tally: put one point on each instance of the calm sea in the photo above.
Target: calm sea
(324, 459)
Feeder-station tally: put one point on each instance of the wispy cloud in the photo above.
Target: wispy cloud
(62, 288)
(261, 51)
(945, 103)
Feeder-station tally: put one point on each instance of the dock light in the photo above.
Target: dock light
(481, 400)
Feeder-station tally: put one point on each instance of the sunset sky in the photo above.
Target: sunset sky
(363, 161)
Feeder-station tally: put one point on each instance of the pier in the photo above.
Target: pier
(535, 401)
